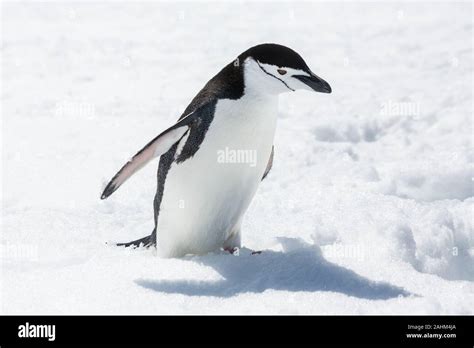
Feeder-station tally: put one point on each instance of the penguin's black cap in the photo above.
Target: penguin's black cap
(282, 56)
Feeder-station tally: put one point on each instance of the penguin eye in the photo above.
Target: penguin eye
(281, 71)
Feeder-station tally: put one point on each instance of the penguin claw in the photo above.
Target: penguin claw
(235, 251)
(231, 251)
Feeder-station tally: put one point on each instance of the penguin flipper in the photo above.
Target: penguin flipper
(155, 148)
(269, 165)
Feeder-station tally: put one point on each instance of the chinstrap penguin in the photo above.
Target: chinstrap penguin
(201, 198)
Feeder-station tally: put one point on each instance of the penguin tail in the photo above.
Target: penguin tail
(146, 242)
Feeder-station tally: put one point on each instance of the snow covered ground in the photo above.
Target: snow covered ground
(368, 208)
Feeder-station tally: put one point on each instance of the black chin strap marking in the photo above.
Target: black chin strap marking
(266, 72)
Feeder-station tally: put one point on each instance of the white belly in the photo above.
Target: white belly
(206, 196)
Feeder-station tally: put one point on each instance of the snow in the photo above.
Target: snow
(368, 208)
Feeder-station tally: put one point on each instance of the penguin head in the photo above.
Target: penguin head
(274, 69)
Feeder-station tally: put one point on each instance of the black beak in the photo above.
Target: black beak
(315, 82)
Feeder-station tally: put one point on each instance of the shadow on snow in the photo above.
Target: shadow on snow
(300, 267)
